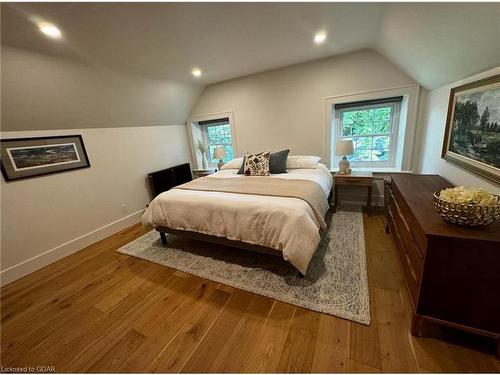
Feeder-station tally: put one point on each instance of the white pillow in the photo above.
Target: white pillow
(306, 162)
(233, 164)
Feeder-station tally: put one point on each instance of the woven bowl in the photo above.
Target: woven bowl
(470, 215)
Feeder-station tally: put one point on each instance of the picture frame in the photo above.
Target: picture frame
(37, 156)
(472, 133)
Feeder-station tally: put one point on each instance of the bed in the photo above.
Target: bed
(281, 225)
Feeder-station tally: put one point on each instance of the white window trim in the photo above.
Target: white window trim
(407, 130)
(192, 123)
(337, 135)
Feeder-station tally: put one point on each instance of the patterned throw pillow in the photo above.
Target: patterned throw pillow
(277, 162)
(257, 164)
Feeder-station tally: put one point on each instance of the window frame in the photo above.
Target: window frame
(393, 135)
(195, 132)
(408, 131)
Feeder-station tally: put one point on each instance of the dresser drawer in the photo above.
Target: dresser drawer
(409, 273)
(414, 228)
(415, 257)
(408, 242)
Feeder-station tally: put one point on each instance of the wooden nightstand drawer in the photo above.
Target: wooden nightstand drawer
(364, 179)
(353, 181)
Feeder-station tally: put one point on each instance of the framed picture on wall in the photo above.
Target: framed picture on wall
(31, 157)
(472, 134)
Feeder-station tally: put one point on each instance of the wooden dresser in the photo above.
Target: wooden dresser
(452, 273)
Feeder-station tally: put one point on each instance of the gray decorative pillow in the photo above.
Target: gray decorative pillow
(277, 162)
(242, 168)
(257, 164)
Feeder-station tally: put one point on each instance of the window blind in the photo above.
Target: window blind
(218, 121)
(394, 99)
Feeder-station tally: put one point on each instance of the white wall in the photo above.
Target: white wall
(45, 92)
(433, 122)
(284, 108)
(131, 125)
(48, 217)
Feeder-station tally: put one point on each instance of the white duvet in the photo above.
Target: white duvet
(286, 224)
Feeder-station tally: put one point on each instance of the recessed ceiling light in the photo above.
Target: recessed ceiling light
(50, 30)
(320, 37)
(196, 72)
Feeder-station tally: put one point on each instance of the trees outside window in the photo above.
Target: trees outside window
(372, 127)
(219, 135)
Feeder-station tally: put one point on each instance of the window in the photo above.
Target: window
(373, 126)
(217, 133)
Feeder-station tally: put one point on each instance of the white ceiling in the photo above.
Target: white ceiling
(439, 43)
(435, 43)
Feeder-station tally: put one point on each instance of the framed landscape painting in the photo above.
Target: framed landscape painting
(30, 157)
(472, 135)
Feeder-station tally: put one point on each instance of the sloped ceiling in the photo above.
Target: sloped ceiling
(435, 43)
(438, 43)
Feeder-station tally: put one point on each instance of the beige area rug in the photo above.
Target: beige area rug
(336, 281)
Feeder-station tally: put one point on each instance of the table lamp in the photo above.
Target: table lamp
(220, 153)
(343, 148)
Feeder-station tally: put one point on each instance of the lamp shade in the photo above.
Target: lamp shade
(345, 147)
(219, 152)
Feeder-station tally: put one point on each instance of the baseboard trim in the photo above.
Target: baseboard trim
(50, 256)
(28, 266)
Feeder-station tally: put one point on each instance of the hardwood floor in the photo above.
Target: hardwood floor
(101, 311)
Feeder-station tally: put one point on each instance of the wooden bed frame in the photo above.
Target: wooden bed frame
(217, 240)
(220, 241)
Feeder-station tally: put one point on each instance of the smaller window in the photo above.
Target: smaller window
(373, 126)
(217, 133)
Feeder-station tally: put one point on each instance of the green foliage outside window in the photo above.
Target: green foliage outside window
(219, 135)
(370, 130)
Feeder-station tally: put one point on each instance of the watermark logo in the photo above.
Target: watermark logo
(29, 369)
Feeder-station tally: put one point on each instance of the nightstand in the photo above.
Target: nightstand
(354, 179)
(203, 172)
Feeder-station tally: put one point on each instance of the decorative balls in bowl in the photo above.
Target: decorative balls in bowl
(467, 206)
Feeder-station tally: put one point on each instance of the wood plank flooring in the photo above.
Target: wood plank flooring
(101, 311)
